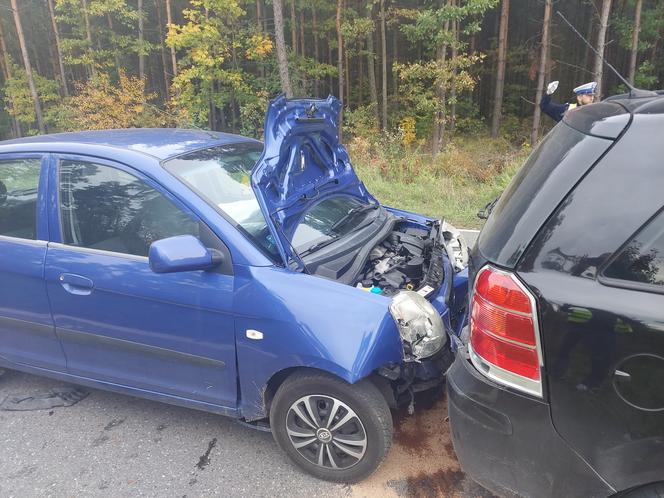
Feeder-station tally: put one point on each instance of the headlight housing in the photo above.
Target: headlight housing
(420, 325)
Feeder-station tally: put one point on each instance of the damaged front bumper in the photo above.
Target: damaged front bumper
(400, 382)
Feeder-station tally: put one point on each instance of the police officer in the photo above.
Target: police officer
(585, 94)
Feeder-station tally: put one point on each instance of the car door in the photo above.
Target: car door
(118, 321)
(607, 387)
(27, 334)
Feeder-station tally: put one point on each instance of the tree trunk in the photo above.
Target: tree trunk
(293, 22)
(635, 41)
(601, 44)
(653, 50)
(440, 116)
(340, 60)
(260, 16)
(383, 46)
(162, 49)
(282, 57)
(455, 52)
(500, 73)
(302, 51)
(141, 54)
(371, 68)
(116, 58)
(169, 20)
(92, 70)
(61, 64)
(330, 60)
(314, 28)
(347, 75)
(541, 72)
(7, 67)
(28, 67)
(340, 52)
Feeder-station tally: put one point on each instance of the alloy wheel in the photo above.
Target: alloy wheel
(326, 431)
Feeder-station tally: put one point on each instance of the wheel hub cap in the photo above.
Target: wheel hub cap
(323, 435)
(326, 431)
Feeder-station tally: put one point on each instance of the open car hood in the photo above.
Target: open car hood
(302, 163)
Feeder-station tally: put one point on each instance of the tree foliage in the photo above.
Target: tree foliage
(100, 104)
(215, 64)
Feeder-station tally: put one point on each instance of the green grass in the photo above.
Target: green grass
(455, 185)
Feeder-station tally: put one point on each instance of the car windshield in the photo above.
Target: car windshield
(222, 176)
(329, 220)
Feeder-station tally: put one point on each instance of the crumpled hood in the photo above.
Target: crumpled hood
(302, 163)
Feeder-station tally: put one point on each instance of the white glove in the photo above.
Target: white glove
(552, 87)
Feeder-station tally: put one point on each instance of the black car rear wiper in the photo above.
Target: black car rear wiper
(484, 213)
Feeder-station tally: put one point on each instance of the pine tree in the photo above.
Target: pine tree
(28, 67)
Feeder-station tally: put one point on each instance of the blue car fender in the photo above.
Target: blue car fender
(289, 320)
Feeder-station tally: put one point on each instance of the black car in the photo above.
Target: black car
(558, 388)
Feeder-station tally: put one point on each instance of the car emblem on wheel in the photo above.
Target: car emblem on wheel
(323, 435)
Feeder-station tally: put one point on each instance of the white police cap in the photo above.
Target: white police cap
(588, 88)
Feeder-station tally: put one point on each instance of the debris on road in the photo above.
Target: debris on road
(45, 400)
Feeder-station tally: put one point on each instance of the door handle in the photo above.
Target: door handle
(76, 284)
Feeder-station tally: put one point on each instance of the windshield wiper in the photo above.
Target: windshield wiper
(352, 212)
(319, 245)
(327, 242)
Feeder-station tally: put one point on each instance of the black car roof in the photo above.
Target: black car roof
(608, 118)
(640, 105)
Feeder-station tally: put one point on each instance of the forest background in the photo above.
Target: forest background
(438, 94)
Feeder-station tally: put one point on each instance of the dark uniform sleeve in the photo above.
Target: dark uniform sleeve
(551, 109)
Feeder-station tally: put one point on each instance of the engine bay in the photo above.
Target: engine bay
(408, 258)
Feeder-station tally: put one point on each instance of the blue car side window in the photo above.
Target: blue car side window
(19, 181)
(108, 209)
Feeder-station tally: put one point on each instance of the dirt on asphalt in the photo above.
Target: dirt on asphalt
(421, 462)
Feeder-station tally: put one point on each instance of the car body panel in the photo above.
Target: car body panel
(507, 443)
(27, 333)
(286, 308)
(120, 322)
(302, 163)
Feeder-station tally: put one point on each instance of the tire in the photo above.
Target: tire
(650, 491)
(359, 435)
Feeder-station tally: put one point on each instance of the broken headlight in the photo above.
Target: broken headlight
(419, 323)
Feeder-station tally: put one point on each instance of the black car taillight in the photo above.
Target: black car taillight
(504, 337)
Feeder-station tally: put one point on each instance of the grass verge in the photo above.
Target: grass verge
(454, 185)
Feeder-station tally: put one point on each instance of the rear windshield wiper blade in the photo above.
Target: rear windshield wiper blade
(484, 213)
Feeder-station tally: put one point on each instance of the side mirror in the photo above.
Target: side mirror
(180, 254)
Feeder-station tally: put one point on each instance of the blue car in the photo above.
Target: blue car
(211, 271)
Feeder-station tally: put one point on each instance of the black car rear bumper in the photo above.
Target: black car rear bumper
(507, 442)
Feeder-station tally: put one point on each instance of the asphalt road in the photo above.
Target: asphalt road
(110, 445)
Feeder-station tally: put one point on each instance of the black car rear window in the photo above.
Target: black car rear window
(551, 171)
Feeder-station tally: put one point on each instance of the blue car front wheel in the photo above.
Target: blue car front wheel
(333, 430)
